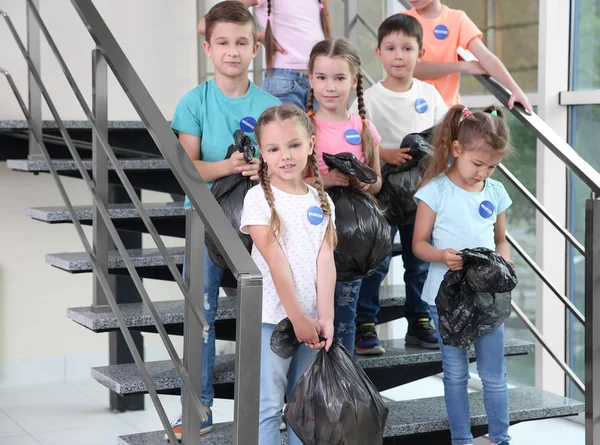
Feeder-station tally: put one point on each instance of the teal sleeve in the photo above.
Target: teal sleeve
(187, 115)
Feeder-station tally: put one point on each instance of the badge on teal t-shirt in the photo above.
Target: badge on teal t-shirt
(207, 112)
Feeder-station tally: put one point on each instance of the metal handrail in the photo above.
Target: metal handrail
(540, 207)
(98, 272)
(546, 134)
(540, 273)
(217, 225)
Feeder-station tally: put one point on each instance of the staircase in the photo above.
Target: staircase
(159, 164)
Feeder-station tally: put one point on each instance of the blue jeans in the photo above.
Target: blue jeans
(278, 377)
(415, 273)
(212, 281)
(289, 86)
(344, 322)
(489, 351)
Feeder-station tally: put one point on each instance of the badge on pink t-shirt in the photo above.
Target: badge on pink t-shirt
(339, 137)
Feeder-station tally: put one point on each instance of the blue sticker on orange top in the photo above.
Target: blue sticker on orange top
(441, 32)
(315, 215)
(352, 136)
(486, 209)
(248, 124)
(421, 105)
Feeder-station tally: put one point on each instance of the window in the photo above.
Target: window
(585, 45)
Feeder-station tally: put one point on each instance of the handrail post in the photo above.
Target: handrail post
(351, 20)
(193, 331)
(592, 329)
(102, 242)
(247, 360)
(35, 94)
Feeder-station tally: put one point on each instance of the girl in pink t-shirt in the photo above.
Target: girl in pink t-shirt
(291, 28)
(334, 71)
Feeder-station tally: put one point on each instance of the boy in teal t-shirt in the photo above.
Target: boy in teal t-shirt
(206, 118)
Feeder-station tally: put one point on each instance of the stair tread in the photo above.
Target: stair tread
(125, 379)
(28, 165)
(410, 417)
(22, 124)
(116, 211)
(80, 261)
(171, 311)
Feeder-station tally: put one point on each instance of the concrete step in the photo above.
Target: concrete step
(420, 421)
(137, 316)
(389, 370)
(168, 217)
(147, 173)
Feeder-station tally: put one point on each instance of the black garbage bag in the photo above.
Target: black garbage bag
(230, 192)
(364, 237)
(400, 182)
(283, 339)
(335, 403)
(474, 301)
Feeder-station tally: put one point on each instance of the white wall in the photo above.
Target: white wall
(158, 37)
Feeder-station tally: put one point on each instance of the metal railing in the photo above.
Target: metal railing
(205, 215)
(591, 251)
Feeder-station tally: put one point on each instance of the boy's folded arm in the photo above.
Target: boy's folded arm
(209, 171)
(433, 70)
(279, 267)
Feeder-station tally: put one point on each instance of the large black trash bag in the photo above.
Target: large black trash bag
(364, 237)
(474, 301)
(335, 403)
(230, 192)
(400, 182)
(284, 342)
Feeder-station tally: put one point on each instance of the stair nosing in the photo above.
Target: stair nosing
(65, 165)
(116, 211)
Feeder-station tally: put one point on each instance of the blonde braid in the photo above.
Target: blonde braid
(275, 221)
(330, 234)
(367, 137)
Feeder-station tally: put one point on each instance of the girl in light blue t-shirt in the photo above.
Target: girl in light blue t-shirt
(460, 207)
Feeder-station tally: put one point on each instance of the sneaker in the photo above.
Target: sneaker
(367, 342)
(177, 426)
(504, 442)
(421, 333)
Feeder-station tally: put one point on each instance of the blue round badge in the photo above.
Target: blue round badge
(352, 136)
(441, 32)
(486, 209)
(421, 105)
(248, 124)
(315, 215)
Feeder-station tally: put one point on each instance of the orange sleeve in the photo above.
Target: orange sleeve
(468, 31)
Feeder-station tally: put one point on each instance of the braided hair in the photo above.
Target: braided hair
(283, 113)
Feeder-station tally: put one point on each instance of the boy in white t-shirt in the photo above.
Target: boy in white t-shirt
(397, 106)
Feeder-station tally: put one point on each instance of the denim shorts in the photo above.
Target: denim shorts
(289, 86)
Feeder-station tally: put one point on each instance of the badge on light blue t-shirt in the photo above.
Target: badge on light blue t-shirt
(441, 32)
(315, 215)
(352, 136)
(248, 124)
(421, 105)
(486, 209)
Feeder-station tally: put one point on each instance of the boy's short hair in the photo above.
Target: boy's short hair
(228, 12)
(406, 24)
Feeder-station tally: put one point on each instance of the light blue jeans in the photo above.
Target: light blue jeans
(289, 86)
(278, 377)
(489, 351)
(212, 281)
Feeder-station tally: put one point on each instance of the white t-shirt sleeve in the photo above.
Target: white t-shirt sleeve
(256, 211)
(439, 106)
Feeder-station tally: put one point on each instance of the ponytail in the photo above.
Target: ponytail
(367, 135)
(463, 126)
(325, 24)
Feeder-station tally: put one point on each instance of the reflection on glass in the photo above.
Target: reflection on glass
(586, 45)
(584, 121)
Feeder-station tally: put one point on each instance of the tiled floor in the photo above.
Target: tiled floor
(77, 413)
